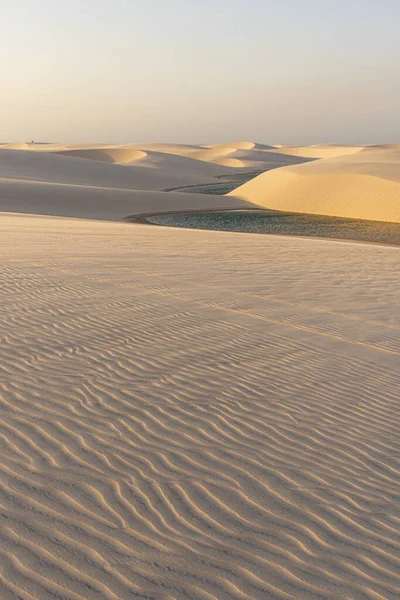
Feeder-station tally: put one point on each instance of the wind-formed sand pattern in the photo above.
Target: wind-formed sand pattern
(193, 414)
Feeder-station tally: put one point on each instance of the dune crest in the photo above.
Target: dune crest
(235, 145)
(236, 155)
(114, 155)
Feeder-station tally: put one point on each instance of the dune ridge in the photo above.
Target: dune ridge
(244, 154)
(114, 155)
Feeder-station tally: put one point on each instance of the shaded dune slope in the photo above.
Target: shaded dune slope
(113, 155)
(35, 166)
(91, 202)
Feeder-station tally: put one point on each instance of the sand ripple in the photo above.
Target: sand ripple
(192, 414)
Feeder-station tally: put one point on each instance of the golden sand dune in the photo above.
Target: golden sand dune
(190, 414)
(229, 162)
(211, 154)
(364, 185)
(235, 145)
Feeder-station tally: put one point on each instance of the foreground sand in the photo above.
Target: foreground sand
(192, 414)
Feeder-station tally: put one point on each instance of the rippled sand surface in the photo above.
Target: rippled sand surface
(191, 414)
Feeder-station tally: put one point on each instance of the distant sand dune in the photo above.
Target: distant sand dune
(213, 153)
(244, 154)
(351, 181)
(113, 155)
(68, 169)
(319, 151)
(229, 162)
(235, 145)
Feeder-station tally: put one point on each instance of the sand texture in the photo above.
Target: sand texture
(362, 185)
(194, 415)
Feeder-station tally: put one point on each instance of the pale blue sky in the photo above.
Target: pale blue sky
(201, 71)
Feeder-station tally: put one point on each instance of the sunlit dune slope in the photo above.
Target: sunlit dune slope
(319, 151)
(365, 185)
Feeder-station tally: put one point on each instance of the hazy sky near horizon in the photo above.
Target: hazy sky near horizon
(201, 71)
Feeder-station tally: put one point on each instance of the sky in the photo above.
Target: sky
(200, 71)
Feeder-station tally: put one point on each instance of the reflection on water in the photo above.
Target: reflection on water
(266, 221)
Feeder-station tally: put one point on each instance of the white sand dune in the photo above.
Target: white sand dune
(235, 145)
(58, 168)
(91, 202)
(364, 185)
(112, 182)
(113, 155)
(196, 415)
(53, 184)
(178, 149)
(236, 155)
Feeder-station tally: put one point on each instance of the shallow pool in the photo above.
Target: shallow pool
(266, 221)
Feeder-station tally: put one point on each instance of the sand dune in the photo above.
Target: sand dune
(364, 185)
(211, 154)
(238, 155)
(178, 149)
(230, 162)
(319, 151)
(113, 155)
(56, 168)
(91, 202)
(235, 145)
(50, 184)
(112, 182)
(192, 414)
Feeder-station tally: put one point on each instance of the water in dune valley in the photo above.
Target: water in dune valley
(275, 222)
